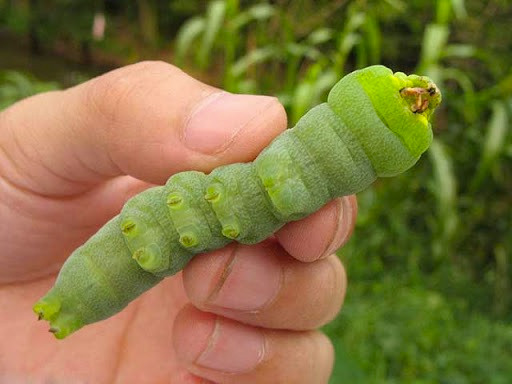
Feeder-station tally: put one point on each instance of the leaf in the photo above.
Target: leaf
(320, 36)
(464, 81)
(186, 36)
(434, 42)
(213, 23)
(257, 12)
(309, 92)
(494, 144)
(262, 11)
(372, 38)
(443, 11)
(444, 187)
(459, 8)
(397, 4)
(15, 86)
(303, 50)
(460, 50)
(252, 58)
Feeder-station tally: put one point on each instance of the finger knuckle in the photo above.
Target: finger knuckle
(116, 94)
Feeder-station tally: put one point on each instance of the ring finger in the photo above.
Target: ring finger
(228, 352)
(263, 286)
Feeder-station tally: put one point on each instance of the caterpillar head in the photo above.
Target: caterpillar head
(395, 110)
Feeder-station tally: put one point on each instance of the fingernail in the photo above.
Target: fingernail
(233, 348)
(250, 280)
(220, 118)
(344, 224)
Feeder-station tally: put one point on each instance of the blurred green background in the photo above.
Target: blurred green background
(430, 265)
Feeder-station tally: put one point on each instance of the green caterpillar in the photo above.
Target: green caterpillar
(374, 124)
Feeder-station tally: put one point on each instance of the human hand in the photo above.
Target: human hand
(243, 314)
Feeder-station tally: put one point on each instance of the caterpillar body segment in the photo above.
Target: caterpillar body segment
(375, 123)
(339, 157)
(95, 284)
(243, 204)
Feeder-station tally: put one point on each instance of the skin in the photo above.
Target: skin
(68, 162)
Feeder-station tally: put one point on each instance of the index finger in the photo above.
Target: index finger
(321, 233)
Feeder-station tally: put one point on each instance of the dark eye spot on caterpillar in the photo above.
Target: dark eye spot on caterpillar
(432, 91)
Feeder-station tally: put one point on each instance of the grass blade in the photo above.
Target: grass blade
(444, 187)
(494, 143)
(214, 19)
(252, 58)
(258, 12)
(434, 41)
(189, 32)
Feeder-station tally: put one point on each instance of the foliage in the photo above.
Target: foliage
(401, 334)
(430, 292)
(265, 48)
(15, 86)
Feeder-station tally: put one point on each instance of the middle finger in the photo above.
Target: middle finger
(264, 286)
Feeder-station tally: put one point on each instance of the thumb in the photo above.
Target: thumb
(147, 120)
